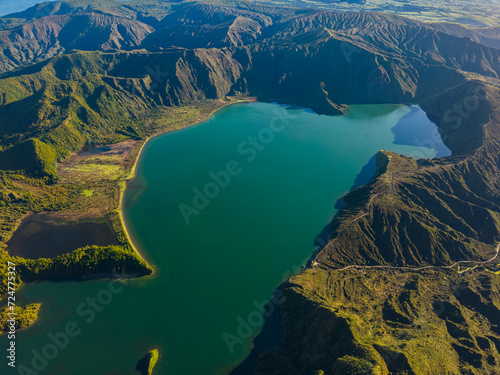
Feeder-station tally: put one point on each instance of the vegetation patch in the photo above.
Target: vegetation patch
(85, 262)
(88, 193)
(146, 365)
(24, 317)
(84, 186)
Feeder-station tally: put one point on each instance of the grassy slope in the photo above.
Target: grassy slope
(105, 98)
(25, 317)
(73, 102)
(69, 204)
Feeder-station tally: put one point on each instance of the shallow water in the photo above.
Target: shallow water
(223, 210)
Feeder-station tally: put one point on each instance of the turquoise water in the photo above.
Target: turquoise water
(223, 210)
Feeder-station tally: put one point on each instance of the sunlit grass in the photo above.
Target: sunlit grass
(88, 193)
(97, 171)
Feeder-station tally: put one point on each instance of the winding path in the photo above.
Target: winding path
(331, 244)
(399, 267)
(425, 267)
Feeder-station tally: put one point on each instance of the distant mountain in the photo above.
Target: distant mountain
(484, 13)
(489, 36)
(49, 29)
(384, 296)
(9, 7)
(317, 59)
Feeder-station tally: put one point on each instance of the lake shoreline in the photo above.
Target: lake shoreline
(133, 175)
(207, 264)
(191, 253)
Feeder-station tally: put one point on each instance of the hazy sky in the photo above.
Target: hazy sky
(11, 6)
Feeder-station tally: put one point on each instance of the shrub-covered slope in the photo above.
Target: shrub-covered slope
(50, 29)
(404, 304)
(409, 282)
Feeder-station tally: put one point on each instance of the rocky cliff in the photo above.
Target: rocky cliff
(408, 283)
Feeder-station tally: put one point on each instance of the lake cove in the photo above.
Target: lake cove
(224, 211)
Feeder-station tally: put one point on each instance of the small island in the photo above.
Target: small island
(146, 365)
(397, 272)
(25, 317)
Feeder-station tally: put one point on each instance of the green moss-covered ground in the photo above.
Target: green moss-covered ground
(25, 316)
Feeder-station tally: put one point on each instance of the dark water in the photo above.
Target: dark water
(34, 239)
(223, 210)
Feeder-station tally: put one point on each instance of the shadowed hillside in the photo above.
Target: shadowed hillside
(320, 60)
(408, 282)
(412, 270)
(49, 29)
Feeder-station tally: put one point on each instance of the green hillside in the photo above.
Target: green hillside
(408, 283)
